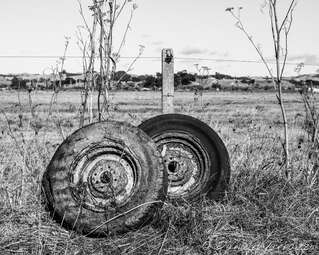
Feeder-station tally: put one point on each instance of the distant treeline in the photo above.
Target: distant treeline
(126, 81)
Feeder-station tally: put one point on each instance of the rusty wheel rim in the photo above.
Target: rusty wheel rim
(186, 162)
(104, 177)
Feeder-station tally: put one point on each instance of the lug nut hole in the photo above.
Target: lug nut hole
(172, 166)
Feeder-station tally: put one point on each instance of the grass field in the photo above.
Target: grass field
(263, 213)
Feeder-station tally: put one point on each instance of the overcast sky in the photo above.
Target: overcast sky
(194, 29)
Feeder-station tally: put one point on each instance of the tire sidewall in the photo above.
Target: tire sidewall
(216, 184)
(151, 187)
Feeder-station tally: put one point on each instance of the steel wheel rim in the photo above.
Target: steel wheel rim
(186, 161)
(104, 176)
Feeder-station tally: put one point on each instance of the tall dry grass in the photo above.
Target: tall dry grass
(263, 213)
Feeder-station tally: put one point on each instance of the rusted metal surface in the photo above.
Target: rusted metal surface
(185, 161)
(104, 176)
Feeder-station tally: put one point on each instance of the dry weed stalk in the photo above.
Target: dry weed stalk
(312, 113)
(203, 73)
(130, 67)
(24, 144)
(58, 71)
(311, 127)
(279, 29)
(22, 147)
(88, 49)
(57, 74)
(101, 39)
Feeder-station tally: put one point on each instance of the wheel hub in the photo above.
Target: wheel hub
(103, 177)
(109, 177)
(180, 163)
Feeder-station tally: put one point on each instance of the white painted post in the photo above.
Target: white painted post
(167, 81)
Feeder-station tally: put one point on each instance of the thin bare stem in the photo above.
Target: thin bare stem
(125, 33)
(276, 79)
(290, 9)
(240, 25)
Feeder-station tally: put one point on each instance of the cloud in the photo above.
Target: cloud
(157, 43)
(198, 51)
(145, 35)
(158, 49)
(307, 59)
(226, 54)
(193, 51)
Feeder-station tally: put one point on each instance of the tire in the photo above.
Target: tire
(106, 178)
(195, 157)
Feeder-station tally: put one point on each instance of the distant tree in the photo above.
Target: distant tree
(121, 75)
(246, 80)
(135, 79)
(17, 83)
(177, 80)
(150, 81)
(68, 81)
(141, 78)
(158, 81)
(220, 76)
(186, 78)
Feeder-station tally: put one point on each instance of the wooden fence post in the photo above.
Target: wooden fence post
(167, 81)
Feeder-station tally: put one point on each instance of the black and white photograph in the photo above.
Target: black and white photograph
(170, 127)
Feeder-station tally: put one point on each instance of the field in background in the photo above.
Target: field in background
(261, 214)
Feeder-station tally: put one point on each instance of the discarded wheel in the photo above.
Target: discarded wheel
(195, 157)
(105, 178)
